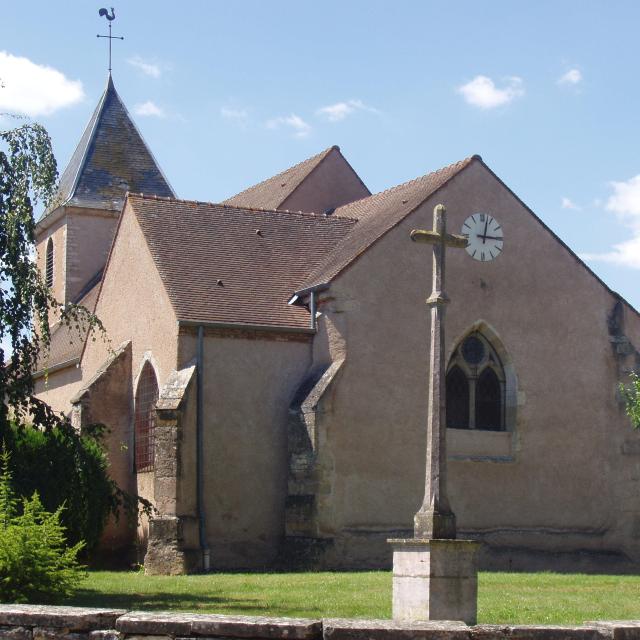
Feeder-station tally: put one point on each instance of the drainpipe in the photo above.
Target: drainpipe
(312, 310)
(200, 452)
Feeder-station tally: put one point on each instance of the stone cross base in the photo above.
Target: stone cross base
(167, 554)
(435, 580)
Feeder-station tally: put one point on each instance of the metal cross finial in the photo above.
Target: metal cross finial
(110, 18)
(435, 519)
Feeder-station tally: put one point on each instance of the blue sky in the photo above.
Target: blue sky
(229, 93)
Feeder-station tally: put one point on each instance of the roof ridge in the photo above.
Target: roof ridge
(320, 156)
(309, 214)
(459, 164)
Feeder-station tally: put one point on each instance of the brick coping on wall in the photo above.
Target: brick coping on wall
(38, 622)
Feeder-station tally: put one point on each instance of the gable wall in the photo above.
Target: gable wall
(331, 184)
(551, 315)
(133, 305)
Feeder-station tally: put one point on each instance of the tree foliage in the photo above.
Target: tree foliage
(50, 456)
(631, 395)
(36, 563)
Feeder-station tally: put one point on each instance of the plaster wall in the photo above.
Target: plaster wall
(331, 184)
(556, 492)
(59, 386)
(89, 237)
(248, 386)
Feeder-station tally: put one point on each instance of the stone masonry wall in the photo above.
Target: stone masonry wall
(35, 622)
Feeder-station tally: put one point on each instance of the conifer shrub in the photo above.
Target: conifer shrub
(36, 563)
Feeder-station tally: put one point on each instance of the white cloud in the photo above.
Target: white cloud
(149, 108)
(33, 89)
(340, 110)
(572, 77)
(239, 116)
(567, 203)
(148, 68)
(624, 202)
(482, 92)
(301, 129)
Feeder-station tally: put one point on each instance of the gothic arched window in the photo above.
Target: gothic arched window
(145, 419)
(49, 263)
(475, 386)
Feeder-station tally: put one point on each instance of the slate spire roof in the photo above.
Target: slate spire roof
(110, 159)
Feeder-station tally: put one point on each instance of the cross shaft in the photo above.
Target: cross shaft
(435, 519)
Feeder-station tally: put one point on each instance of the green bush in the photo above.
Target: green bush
(64, 467)
(36, 565)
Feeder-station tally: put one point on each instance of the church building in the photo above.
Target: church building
(264, 380)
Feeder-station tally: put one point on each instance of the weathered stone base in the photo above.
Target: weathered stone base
(33, 622)
(166, 554)
(435, 580)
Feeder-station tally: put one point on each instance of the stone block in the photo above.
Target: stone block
(192, 624)
(435, 580)
(57, 633)
(618, 629)
(69, 618)
(15, 633)
(349, 629)
(105, 634)
(536, 632)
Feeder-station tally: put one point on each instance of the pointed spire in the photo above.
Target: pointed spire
(110, 159)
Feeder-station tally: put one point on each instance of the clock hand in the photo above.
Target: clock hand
(489, 237)
(486, 223)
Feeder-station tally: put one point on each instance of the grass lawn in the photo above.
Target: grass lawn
(540, 598)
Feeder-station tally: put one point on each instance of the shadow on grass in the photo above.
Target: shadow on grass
(198, 603)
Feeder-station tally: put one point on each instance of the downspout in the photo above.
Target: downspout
(200, 452)
(312, 310)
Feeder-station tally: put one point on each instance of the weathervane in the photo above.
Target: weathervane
(110, 18)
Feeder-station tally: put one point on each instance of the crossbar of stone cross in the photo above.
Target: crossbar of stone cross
(435, 519)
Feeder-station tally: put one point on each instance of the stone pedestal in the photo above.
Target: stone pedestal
(435, 580)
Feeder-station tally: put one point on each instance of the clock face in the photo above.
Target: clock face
(484, 234)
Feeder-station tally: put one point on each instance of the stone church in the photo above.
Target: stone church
(264, 379)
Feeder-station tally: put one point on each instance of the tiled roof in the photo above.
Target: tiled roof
(67, 340)
(377, 214)
(110, 159)
(271, 193)
(235, 265)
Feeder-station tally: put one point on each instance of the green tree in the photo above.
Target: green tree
(50, 455)
(36, 564)
(631, 395)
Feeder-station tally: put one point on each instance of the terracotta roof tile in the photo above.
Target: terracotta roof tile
(377, 214)
(67, 340)
(271, 193)
(235, 265)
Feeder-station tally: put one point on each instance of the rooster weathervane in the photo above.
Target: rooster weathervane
(110, 18)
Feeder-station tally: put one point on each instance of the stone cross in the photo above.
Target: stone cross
(435, 518)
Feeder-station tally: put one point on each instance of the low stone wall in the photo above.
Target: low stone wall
(34, 622)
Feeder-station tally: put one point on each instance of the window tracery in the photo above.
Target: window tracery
(475, 385)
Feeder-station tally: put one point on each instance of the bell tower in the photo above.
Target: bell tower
(74, 235)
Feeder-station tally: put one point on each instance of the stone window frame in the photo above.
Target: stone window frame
(144, 424)
(49, 263)
(503, 368)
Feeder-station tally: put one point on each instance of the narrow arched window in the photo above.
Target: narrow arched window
(457, 399)
(476, 386)
(49, 263)
(145, 419)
